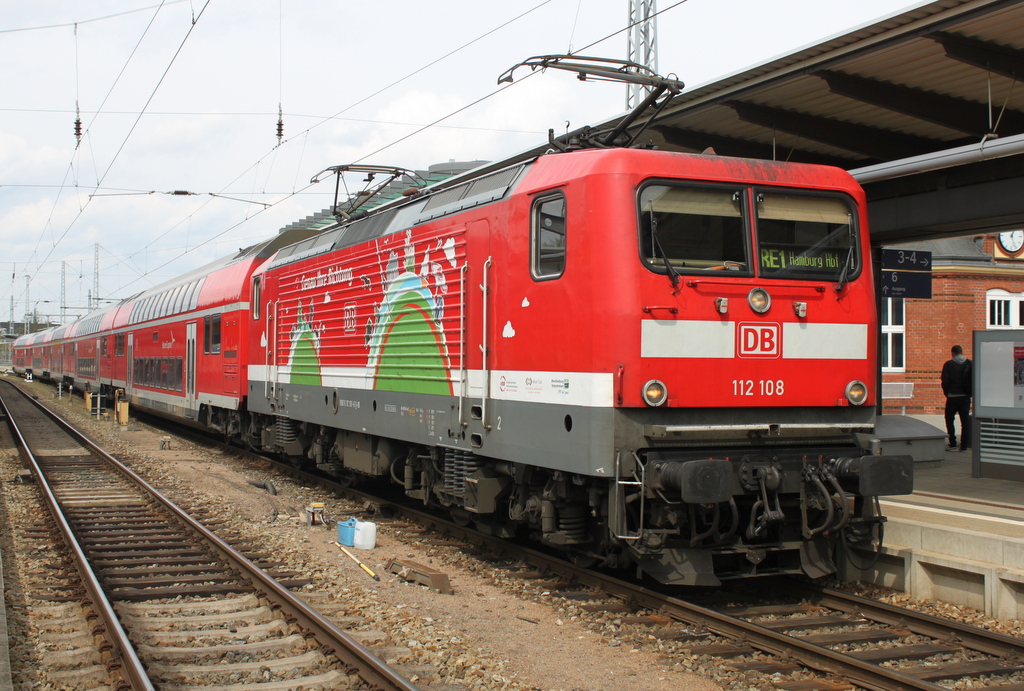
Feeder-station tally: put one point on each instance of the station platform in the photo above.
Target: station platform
(956, 538)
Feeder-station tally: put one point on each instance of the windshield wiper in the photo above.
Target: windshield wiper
(848, 264)
(672, 273)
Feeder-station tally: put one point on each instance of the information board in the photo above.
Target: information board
(906, 274)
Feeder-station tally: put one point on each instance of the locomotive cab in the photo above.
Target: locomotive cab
(752, 397)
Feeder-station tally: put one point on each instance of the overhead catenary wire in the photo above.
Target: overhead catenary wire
(439, 122)
(321, 122)
(98, 111)
(90, 21)
(347, 108)
(127, 136)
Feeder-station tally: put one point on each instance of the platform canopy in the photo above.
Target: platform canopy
(925, 108)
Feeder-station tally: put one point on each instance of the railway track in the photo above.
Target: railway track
(846, 640)
(168, 603)
(807, 637)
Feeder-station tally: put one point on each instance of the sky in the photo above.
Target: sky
(185, 95)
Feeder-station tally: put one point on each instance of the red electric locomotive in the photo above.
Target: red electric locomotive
(638, 356)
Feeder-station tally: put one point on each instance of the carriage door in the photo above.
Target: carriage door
(271, 352)
(268, 337)
(130, 375)
(190, 369)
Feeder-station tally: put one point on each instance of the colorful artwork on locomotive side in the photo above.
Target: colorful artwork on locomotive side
(404, 338)
(304, 359)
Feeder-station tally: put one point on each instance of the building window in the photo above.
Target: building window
(1005, 310)
(893, 335)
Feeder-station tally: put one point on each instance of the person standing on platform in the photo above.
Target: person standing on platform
(958, 387)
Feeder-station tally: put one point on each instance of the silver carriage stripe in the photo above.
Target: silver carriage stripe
(688, 339)
(587, 389)
(717, 339)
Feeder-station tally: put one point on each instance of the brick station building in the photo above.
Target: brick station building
(977, 283)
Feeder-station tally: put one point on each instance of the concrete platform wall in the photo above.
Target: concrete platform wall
(965, 567)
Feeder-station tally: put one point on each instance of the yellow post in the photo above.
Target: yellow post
(88, 402)
(121, 412)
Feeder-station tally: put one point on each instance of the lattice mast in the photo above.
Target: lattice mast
(643, 45)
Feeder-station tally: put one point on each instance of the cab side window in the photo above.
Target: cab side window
(547, 237)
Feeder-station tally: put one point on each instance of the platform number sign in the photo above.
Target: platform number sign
(906, 274)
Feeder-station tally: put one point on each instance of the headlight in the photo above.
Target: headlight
(655, 393)
(856, 392)
(759, 300)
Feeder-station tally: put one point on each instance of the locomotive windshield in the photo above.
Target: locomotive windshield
(803, 236)
(688, 229)
(691, 228)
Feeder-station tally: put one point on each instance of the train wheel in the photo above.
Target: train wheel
(461, 518)
(584, 561)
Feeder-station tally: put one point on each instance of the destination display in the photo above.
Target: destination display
(779, 259)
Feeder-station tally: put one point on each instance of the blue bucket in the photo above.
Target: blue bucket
(347, 532)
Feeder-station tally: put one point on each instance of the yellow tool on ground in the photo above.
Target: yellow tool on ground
(354, 558)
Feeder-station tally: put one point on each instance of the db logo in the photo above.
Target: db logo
(759, 340)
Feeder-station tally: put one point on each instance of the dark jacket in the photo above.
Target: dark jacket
(958, 377)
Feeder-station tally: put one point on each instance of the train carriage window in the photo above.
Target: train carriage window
(186, 296)
(165, 303)
(197, 287)
(103, 347)
(255, 297)
(119, 345)
(177, 373)
(206, 334)
(215, 334)
(805, 236)
(176, 299)
(693, 229)
(547, 237)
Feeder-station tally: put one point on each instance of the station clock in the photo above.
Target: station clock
(1011, 242)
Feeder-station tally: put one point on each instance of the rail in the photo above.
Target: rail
(131, 668)
(373, 671)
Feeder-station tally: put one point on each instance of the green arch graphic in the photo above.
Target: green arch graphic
(305, 361)
(411, 357)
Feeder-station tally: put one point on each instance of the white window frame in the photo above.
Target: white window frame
(1003, 309)
(889, 329)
